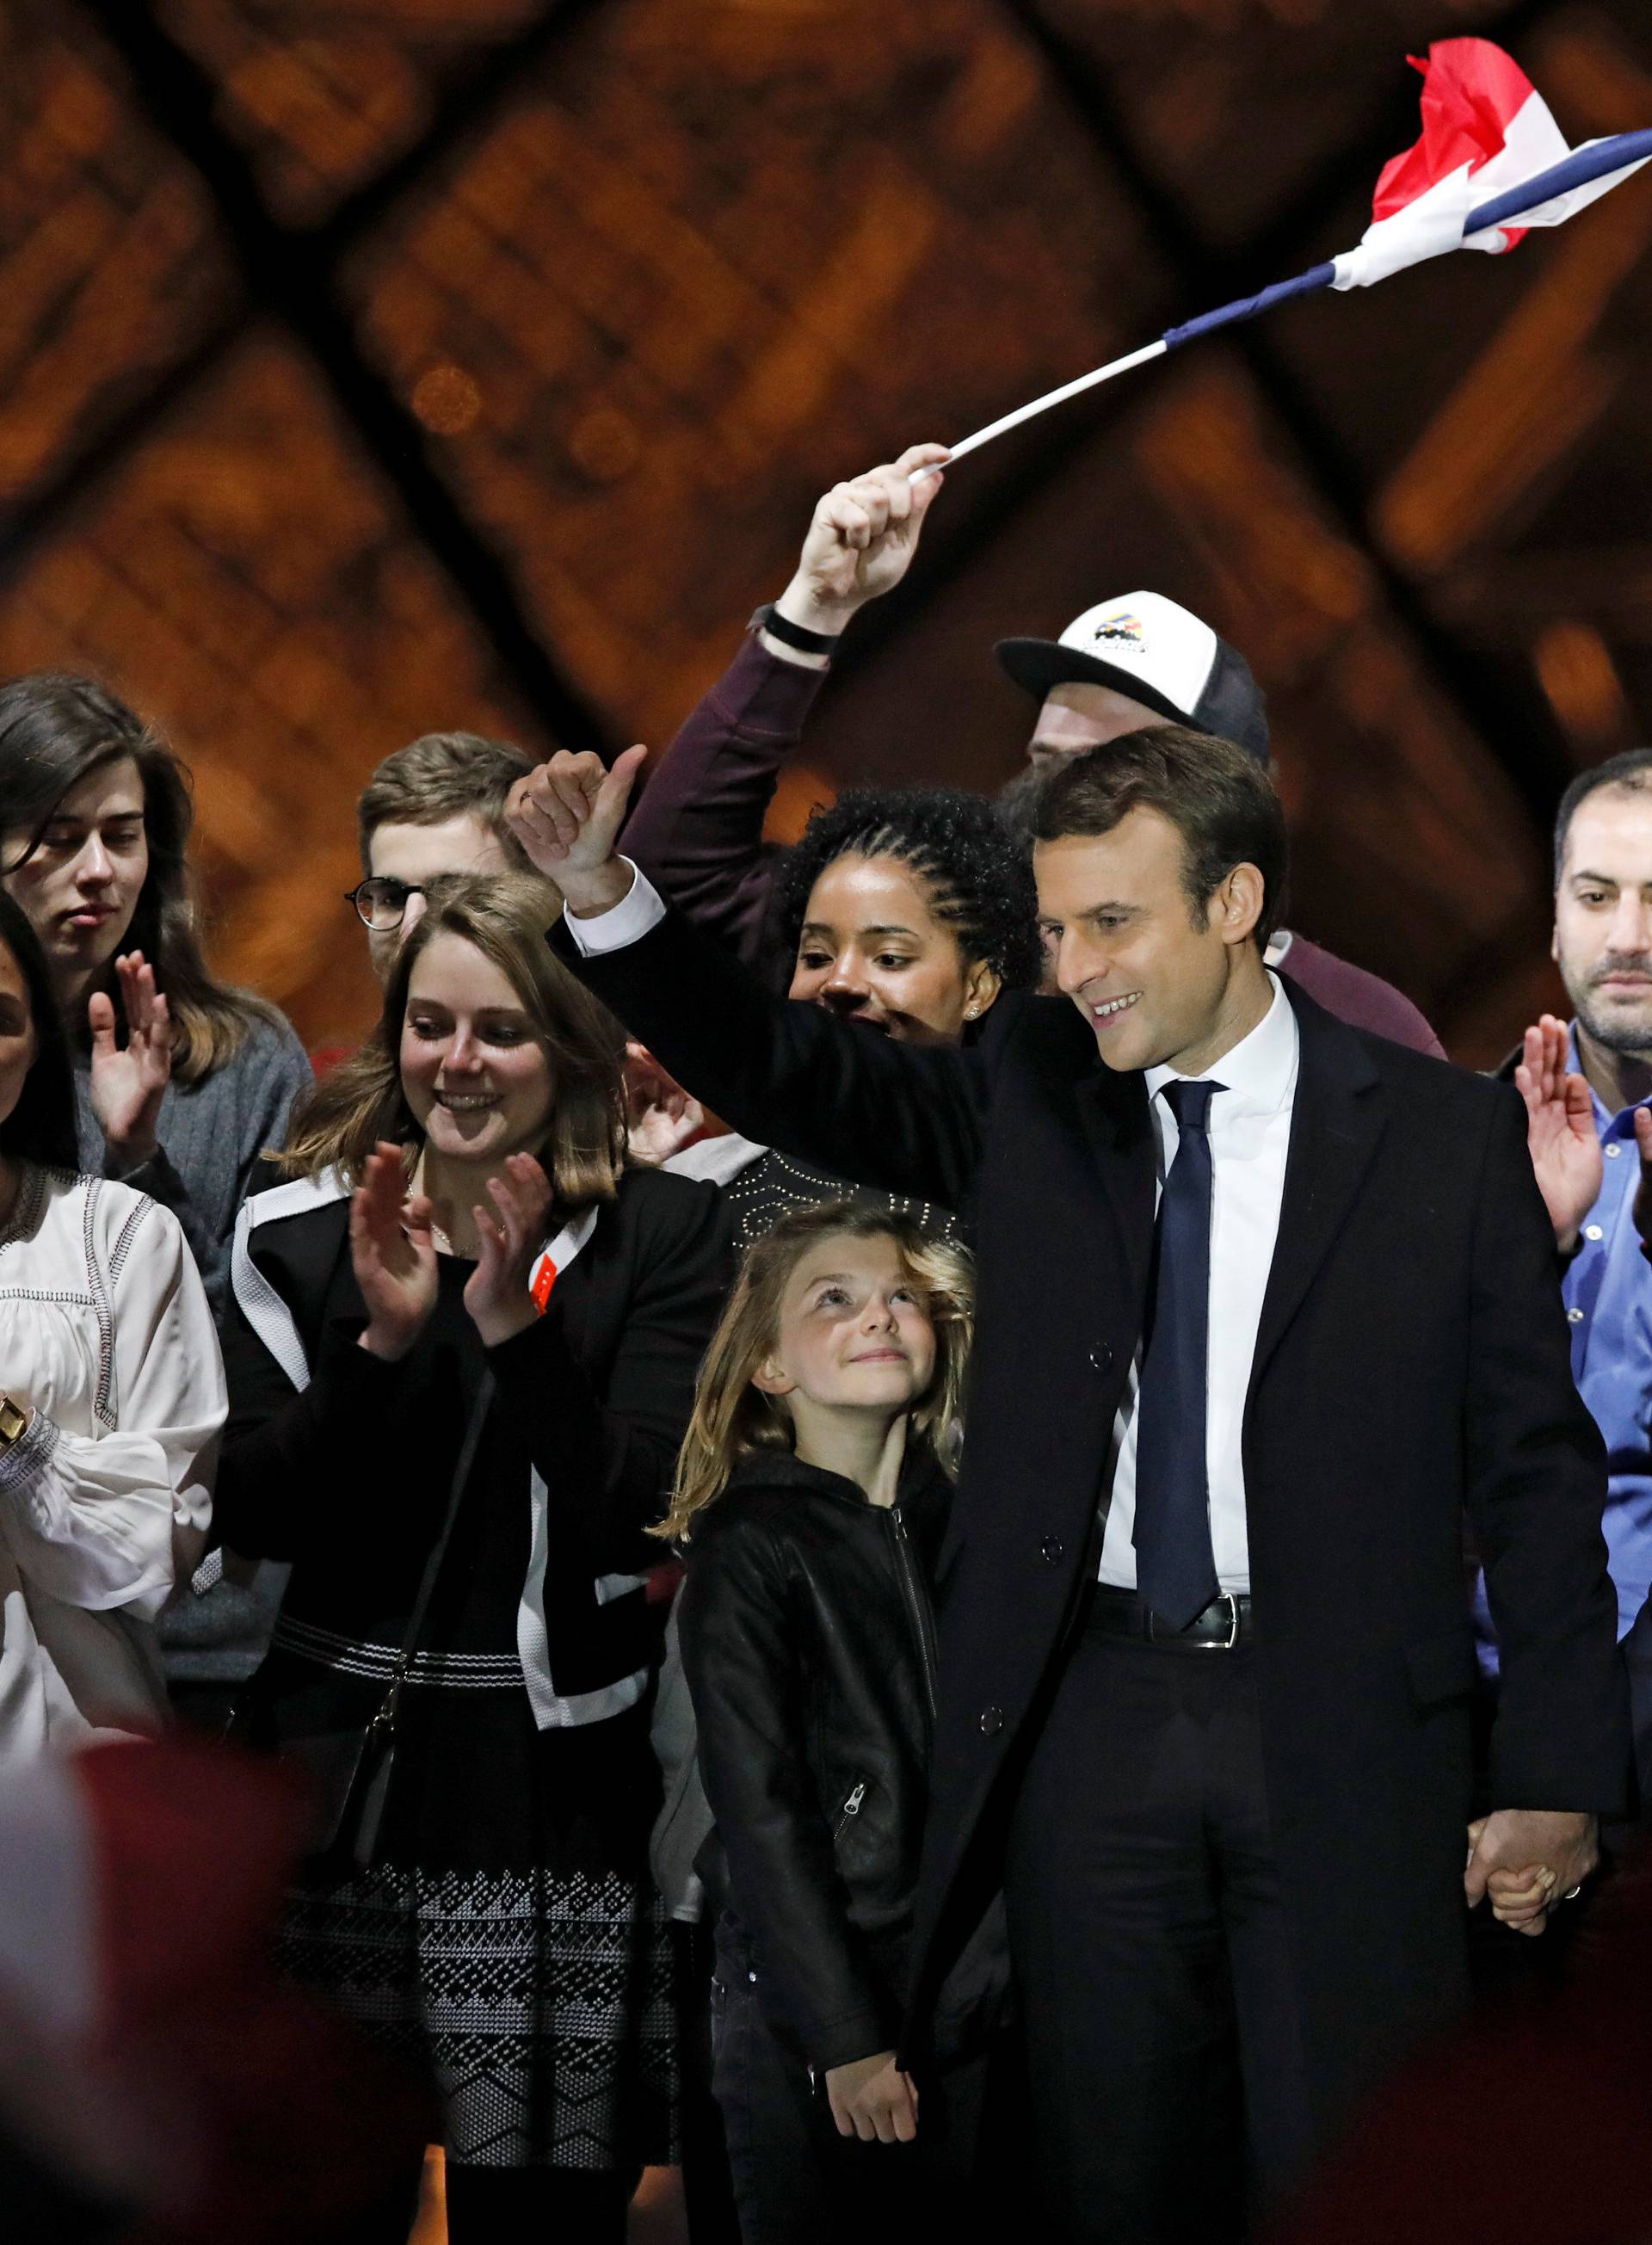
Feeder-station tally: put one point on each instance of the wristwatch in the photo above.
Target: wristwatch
(769, 619)
(13, 1419)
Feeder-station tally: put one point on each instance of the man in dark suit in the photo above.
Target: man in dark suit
(1264, 1303)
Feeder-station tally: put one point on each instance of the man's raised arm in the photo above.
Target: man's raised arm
(906, 1118)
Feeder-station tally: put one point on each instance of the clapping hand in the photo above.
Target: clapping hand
(1561, 1134)
(128, 1082)
(392, 1253)
(660, 1117)
(567, 814)
(509, 1238)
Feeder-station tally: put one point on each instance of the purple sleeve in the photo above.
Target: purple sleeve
(1363, 1001)
(698, 831)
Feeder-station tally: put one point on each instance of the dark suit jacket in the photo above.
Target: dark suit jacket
(350, 1477)
(1411, 1359)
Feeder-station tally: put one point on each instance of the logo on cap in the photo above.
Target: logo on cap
(1123, 627)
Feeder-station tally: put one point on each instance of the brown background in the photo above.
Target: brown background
(393, 364)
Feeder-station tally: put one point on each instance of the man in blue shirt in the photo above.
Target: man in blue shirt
(1589, 1095)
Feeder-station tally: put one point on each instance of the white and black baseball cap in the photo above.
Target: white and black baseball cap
(1159, 654)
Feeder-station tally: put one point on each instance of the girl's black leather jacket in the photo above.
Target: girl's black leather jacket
(808, 1642)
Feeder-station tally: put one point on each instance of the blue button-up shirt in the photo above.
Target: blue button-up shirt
(1608, 1293)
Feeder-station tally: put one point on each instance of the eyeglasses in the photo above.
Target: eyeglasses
(380, 902)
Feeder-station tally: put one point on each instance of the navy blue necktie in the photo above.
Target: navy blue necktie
(1175, 1566)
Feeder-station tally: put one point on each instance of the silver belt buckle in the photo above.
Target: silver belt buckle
(1209, 1643)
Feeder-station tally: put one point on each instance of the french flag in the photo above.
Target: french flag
(1487, 130)
(1491, 164)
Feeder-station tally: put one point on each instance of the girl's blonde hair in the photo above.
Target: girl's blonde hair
(732, 1418)
(504, 917)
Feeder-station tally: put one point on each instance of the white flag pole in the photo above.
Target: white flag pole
(1092, 380)
(1547, 200)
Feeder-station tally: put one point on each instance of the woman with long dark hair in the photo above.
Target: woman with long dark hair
(181, 1082)
(463, 1307)
(111, 1396)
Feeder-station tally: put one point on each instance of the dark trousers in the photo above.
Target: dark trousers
(796, 2180)
(1146, 1931)
(707, 2189)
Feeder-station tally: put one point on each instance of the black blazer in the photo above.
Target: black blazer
(350, 1478)
(1411, 1359)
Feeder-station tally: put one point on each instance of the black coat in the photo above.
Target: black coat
(1411, 1360)
(350, 1478)
(807, 1641)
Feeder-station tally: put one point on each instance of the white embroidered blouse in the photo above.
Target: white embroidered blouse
(106, 1497)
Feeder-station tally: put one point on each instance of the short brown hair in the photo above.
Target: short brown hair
(504, 917)
(1216, 795)
(442, 775)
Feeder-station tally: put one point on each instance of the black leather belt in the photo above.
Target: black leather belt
(1224, 1626)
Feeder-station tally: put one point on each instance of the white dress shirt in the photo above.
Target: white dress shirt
(640, 908)
(1250, 1132)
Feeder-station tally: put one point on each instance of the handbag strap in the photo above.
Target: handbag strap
(479, 1409)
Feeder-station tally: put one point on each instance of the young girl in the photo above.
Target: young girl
(812, 1496)
(503, 1932)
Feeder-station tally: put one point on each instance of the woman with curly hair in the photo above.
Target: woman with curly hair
(904, 911)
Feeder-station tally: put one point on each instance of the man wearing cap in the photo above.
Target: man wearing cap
(1140, 660)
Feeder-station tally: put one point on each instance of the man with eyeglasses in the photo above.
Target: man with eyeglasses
(437, 806)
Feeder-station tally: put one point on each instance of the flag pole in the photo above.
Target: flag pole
(1580, 168)
(1577, 170)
